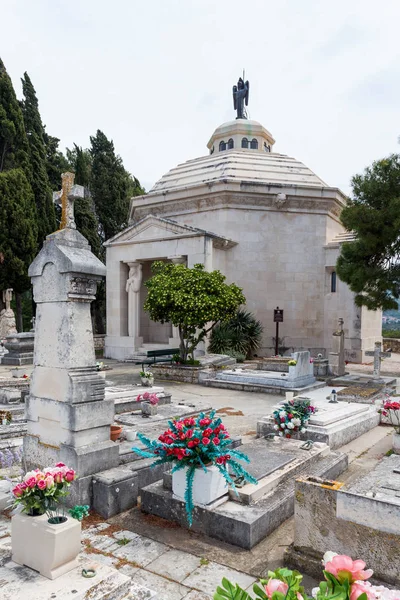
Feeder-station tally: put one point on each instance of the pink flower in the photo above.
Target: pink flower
(362, 587)
(146, 396)
(60, 464)
(138, 398)
(275, 585)
(205, 441)
(216, 441)
(40, 476)
(69, 476)
(344, 568)
(58, 477)
(31, 482)
(41, 484)
(49, 481)
(18, 491)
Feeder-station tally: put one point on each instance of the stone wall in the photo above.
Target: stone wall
(391, 343)
(318, 529)
(176, 373)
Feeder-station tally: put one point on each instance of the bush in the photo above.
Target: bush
(241, 334)
(391, 333)
(238, 355)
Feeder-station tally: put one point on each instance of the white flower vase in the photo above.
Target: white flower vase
(396, 443)
(52, 550)
(208, 485)
(147, 381)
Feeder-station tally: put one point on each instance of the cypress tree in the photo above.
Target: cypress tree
(56, 163)
(14, 150)
(37, 154)
(18, 233)
(111, 186)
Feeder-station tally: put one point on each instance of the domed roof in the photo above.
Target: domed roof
(239, 166)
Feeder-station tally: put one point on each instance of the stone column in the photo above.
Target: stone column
(175, 340)
(133, 284)
(68, 417)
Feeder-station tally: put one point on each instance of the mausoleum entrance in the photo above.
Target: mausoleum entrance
(150, 331)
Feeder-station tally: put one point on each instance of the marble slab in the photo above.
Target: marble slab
(264, 463)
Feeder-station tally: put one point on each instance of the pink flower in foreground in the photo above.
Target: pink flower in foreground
(275, 585)
(31, 482)
(69, 476)
(60, 464)
(41, 484)
(49, 481)
(344, 568)
(362, 587)
(17, 491)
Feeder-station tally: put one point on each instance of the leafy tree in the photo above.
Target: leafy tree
(241, 335)
(194, 300)
(14, 151)
(111, 186)
(18, 234)
(37, 154)
(370, 264)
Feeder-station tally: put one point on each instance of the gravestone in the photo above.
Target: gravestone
(7, 317)
(337, 365)
(20, 349)
(68, 418)
(378, 355)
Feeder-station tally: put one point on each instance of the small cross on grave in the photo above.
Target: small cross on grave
(66, 197)
(378, 355)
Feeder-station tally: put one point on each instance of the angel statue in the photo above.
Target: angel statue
(240, 98)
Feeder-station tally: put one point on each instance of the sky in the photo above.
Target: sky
(156, 76)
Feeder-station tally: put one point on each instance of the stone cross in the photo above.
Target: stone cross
(66, 197)
(378, 355)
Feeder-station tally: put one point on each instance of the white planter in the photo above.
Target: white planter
(396, 443)
(147, 381)
(130, 435)
(207, 486)
(51, 550)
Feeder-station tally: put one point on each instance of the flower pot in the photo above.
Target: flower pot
(148, 409)
(396, 443)
(51, 550)
(130, 435)
(208, 485)
(115, 432)
(147, 381)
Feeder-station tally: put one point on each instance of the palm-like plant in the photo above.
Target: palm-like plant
(242, 334)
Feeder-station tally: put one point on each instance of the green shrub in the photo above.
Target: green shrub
(238, 355)
(241, 334)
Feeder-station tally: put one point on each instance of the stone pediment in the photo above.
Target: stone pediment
(152, 229)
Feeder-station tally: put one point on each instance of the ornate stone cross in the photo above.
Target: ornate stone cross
(378, 355)
(66, 197)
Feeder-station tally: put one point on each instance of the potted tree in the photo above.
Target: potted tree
(203, 463)
(43, 537)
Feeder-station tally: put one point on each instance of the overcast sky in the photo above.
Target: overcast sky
(156, 75)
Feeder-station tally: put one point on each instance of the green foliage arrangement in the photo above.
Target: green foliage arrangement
(240, 336)
(370, 265)
(79, 512)
(194, 300)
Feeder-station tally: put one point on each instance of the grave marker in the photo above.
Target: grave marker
(378, 355)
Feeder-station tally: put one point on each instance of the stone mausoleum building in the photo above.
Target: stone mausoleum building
(265, 220)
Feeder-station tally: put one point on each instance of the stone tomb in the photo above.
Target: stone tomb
(298, 377)
(245, 519)
(360, 519)
(20, 349)
(334, 424)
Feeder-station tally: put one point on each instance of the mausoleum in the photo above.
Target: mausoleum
(261, 217)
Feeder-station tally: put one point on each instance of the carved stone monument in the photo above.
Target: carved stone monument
(68, 419)
(7, 317)
(378, 356)
(133, 288)
(337, 365)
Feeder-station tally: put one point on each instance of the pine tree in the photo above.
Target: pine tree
(37, 154)
(14, 150)
(370, 265)
(18, 233)
(111, 186)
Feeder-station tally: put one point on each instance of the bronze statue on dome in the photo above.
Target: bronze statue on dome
(241, 97)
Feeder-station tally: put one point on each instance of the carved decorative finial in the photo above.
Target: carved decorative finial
(66, 197)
